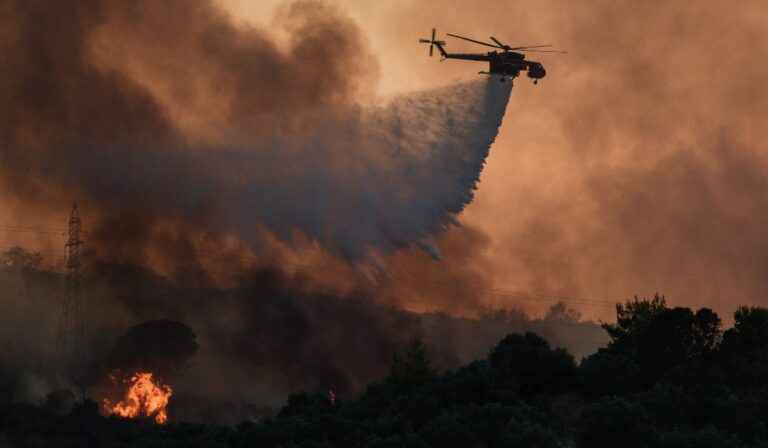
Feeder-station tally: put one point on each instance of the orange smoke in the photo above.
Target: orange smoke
(145, 397)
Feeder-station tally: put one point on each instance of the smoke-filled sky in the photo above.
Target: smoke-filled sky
(636, 166)
(172, 119)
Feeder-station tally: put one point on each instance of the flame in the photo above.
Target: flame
(145, 397)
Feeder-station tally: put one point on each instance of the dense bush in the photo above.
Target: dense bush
(527, 363)
(669, 377)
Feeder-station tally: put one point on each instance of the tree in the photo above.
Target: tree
(707, 334)
(527, 362)
(561, 312)
(708, 437)
(529, 434)
(474, 383)
(658, 338)
(609, 373)
(411, 370)
(673, 337)
(749, 332)
(305, 404)
(632, 317)
(744, 354)
(21, 259)
(615, 422)
(449, 429)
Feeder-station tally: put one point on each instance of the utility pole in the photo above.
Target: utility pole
(70, 339)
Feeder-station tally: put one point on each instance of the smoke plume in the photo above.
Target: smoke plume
(162, 347)
(173, 118)
(186, 138)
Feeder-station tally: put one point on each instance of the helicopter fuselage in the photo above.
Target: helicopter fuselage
(511, 63)
(507, 64)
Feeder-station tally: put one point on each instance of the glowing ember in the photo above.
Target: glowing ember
(144, 397)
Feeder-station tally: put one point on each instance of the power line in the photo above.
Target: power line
(530, 296)
(527, 251)
(23, 229)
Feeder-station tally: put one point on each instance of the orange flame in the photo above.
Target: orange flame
(145, 397)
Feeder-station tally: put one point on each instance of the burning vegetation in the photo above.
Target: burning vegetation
(146, 356)
(142, 396)
(668, 378)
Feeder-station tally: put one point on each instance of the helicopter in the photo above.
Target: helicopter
(506, 64)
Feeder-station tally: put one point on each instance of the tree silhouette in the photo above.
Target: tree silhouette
(527, 363)
(669, 378)
(411, 369)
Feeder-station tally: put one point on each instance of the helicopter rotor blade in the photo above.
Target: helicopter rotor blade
(433, 34)
(475, 41)
(544, 51)
(530, 46)
(506, 47)
(500, 45)
(431, 47)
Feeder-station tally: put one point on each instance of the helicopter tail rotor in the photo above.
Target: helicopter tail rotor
(432, 42)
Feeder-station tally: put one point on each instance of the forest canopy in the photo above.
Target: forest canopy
(669, 377)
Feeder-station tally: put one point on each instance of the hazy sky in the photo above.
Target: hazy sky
(637, 165)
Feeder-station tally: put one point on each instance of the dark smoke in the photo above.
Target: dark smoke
(192, 143)
(162, 347)
(172, 118)
(268, 337)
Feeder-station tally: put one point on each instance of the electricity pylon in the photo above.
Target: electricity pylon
(70, 339)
